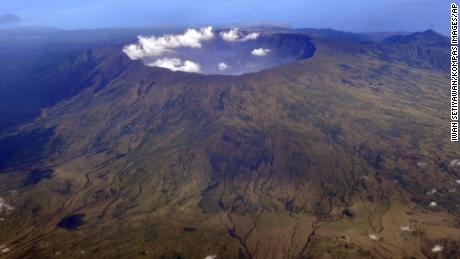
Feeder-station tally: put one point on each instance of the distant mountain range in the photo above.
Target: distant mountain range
(341, 154)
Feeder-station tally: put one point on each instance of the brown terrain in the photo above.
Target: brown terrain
(345, 154)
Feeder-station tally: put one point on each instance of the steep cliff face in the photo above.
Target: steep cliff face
(333, 154)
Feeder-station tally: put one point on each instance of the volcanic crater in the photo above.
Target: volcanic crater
(225, 52)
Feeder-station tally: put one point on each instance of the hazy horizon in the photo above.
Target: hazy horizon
(354, 16)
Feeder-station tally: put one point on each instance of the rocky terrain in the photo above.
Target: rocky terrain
(344, 154)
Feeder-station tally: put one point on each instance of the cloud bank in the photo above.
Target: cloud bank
(235, 35)
(148, 47)
(156, 46)
(260, 52)
(176, 64)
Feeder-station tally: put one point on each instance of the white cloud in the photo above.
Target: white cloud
(160, 51)
(223, 66)
(235, 35)
(134, 51)
(260, 52)
(436, 249)
(148, 47)
(156, 46)
(251, 36)
(176, 64)
(231, 35)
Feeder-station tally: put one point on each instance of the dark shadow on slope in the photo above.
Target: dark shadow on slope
(27, 147)
(37, 175)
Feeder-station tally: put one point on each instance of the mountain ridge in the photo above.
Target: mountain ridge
(328, 155)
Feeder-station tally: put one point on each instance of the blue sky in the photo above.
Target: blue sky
(348, 15)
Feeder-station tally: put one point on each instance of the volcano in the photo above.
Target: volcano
(329, 147)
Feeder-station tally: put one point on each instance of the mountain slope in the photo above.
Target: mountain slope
(337, 156)
(40, 66)
(421, 48)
